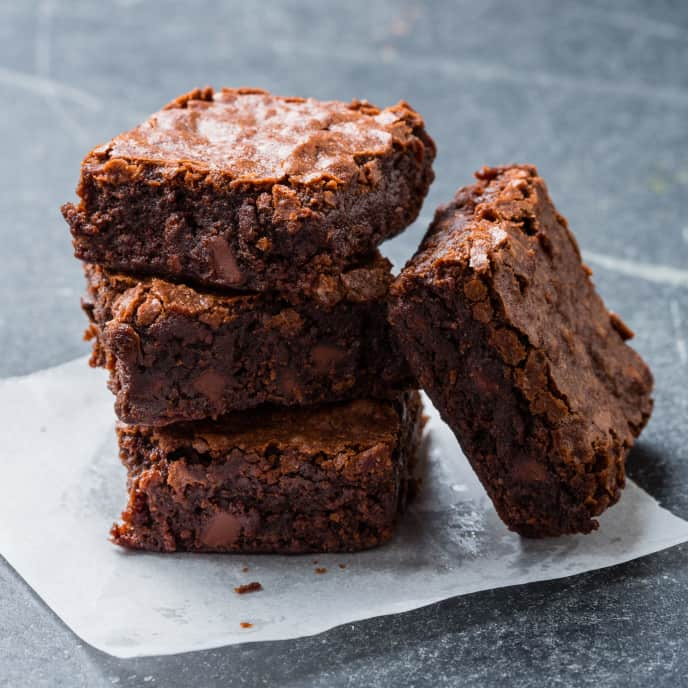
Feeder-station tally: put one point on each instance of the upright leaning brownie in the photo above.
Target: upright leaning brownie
(331, 478)
(501, 323)
(240, 188)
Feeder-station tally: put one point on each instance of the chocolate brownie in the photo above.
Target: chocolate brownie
(331, 478)
(242, 189)
(500, 321)
(175, 353)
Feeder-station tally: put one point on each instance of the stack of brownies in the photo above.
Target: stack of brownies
(238, 300)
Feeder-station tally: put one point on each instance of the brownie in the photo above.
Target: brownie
(331, 478)
(501, 323)
(175, 353)
(243, 189)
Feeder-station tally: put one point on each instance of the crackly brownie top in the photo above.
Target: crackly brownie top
(502, 245)
(475, 224)
(147, 300)
(330, 430)
(252, 136)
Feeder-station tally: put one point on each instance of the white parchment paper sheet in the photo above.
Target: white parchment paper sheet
(63, 486)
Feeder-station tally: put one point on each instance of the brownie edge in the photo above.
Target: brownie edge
(332, 478)
(500, 322)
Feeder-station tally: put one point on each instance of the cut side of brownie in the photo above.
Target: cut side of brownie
(176, 353)
(243, 189)
(331, 478)
(501, 323)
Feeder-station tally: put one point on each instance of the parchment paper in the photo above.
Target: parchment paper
(63, 486)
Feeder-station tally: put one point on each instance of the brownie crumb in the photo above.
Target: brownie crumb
(245, 569)
(321, 569)
(342, 566)
(255, 586)
(246, 624)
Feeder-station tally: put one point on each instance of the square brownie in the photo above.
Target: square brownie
(331, 478)
(501, 323)
(176, 353)
(243, 189)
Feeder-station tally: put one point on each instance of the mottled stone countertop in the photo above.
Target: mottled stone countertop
(594, 93)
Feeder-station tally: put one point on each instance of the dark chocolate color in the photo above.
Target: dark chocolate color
(331, 478)
(565, 85)
(500, 321)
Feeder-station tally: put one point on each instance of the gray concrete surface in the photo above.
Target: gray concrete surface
(594, 93)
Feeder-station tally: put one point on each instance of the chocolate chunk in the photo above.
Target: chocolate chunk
(210, 384)
(222, 532)
(326, 357)
(225, 267)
